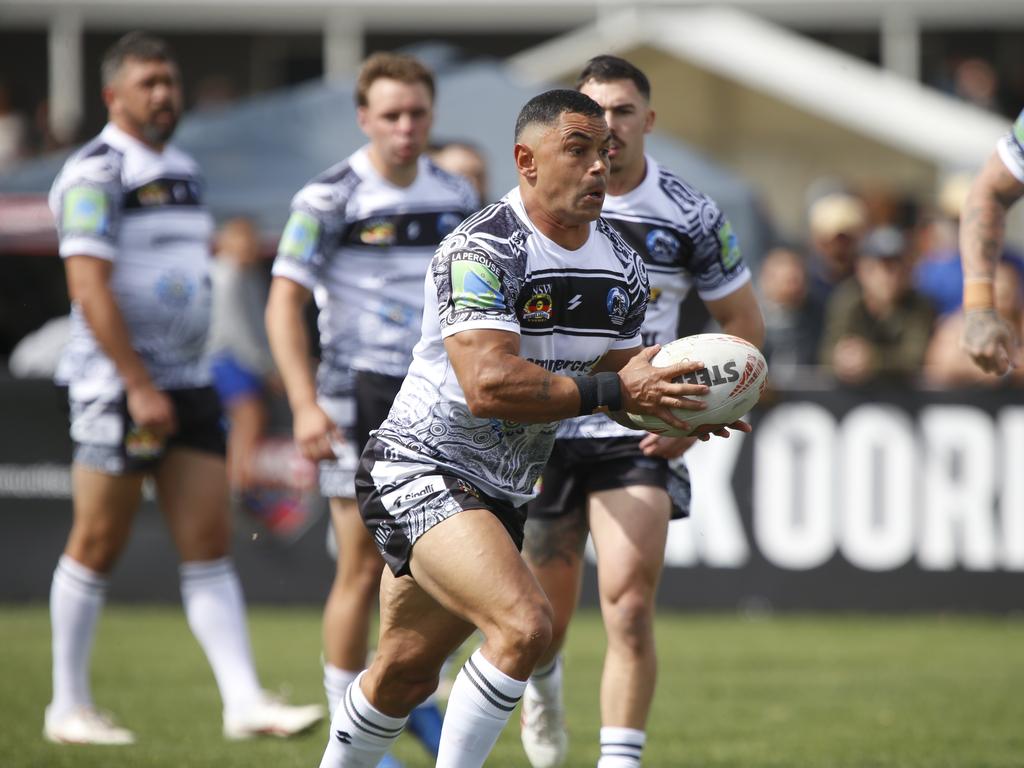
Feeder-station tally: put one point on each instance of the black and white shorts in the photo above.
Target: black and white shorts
(355, 416)
(401, 499)
(580, 467)
(105, 438)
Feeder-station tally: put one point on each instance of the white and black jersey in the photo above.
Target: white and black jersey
(686, 242)
(497, 271)
(362, 246)
(120, 200)
(1011, 149)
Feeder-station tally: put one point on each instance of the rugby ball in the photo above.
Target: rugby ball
(734, 369)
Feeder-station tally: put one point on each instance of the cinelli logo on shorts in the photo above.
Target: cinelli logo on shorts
(410, 492)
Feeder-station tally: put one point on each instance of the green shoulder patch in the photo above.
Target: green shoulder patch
(1018, 128)
(85, 211)
(730, 245)
(475, 286)
(300, 236)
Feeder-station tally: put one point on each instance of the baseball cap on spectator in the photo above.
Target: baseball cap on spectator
(884, 243)
(837, 214)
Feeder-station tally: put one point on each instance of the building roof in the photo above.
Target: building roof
(763, 56)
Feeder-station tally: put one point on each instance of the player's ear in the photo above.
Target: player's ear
(361, 118)
(649, 122)
(526, 161)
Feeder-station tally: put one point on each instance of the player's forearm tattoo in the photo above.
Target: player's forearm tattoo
(544, 391)
(984, 224)
(559, 540)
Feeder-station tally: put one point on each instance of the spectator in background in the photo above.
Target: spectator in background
(877, 326)
(947, 365)
(792, 316)
(837, 224)
(977, 82)
(13, 130)
(464, 159)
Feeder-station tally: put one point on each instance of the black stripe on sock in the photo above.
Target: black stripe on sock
(546, 673)
(484, 692)
(365, 724)
(637, 747)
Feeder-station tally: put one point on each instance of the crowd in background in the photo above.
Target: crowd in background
(873, 298)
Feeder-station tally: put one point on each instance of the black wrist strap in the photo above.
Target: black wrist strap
(601, 390)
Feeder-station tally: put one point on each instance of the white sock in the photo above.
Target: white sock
(621, 747)
(360, 733)
(215, 609)
(545, 684)
(336, 680)
(480, 704)
(77, 595)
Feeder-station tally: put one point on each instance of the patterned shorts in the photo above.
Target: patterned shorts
(401, 499)
(105, 438)
(580, 467)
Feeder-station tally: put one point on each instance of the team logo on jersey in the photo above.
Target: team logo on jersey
(653, 298)
(475, 286)
(618, 305)
(730, 245)
(174, 289)
(378, 232)
(85, 211)
(662, 246)
(154, 193)
(446, 222)
(538, 308)
(300, 237)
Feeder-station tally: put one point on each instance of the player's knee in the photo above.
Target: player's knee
(96, 547)
(630, 620)
(409, 682)
(529, 631)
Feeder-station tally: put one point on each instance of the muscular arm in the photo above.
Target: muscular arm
(983, 222)
(986, 338)
(289, 343)
(498, 383)
(739, 314)
(89, 286)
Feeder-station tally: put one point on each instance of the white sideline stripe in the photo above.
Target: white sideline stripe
(46, 480)
(35, 481)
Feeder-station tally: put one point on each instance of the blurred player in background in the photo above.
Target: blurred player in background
(464, 159)
(620, 485)
(990, 342)
(135, 238)
(443, 483)
(360, 239)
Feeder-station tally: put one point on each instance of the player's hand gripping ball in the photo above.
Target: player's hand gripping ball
(734, 370)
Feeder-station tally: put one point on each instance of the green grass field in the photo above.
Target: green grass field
(802, 691)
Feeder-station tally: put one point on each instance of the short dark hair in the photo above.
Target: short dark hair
(393, 66)
(606, 68)
(550, 105)
(134, 45)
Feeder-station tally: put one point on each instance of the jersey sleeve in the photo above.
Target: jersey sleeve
(86, 201)
(317, 216)
(477, 288)
(1011, 149)
(718, 268)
